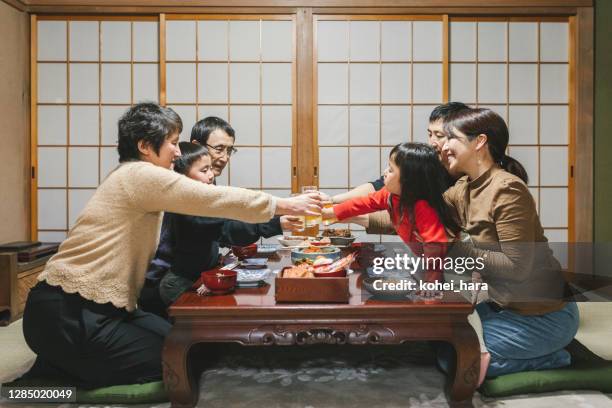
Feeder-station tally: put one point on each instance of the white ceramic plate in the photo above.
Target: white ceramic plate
(291, 241)
(254, 263)
(252, 275)
(266, 249)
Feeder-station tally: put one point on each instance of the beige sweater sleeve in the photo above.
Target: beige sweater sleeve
(154, 189)
(379, 222)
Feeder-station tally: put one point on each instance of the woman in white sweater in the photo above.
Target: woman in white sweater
(81, 319)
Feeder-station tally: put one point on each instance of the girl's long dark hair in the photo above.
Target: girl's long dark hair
(422, 177)
(190, 153)
(483, 121)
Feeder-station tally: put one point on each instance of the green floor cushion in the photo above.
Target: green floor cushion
(587, 372)
(146, 393)
(125, 394)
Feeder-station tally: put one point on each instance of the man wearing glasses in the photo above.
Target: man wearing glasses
(186, 242)
(219, 137)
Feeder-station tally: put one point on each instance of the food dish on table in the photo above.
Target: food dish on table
(254, 263)
(294, 241)
(339, 236)
(337, 232)
(266, 249)
(220, 281)
(252, 278)
(317, 250)
(342, 241)
(300, 271)
(321, 267)
(324, 273)
(325, 241)
(312, 252)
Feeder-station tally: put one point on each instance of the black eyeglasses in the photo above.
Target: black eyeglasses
(222, 149)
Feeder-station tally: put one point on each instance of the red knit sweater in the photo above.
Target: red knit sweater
(423, 238)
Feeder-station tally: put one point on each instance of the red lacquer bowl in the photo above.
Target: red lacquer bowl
(337, 274)
(219, 281)
(248, 251)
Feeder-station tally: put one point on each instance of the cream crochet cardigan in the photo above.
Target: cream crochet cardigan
(108, 250)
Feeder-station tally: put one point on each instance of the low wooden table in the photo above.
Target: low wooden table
(252, 317)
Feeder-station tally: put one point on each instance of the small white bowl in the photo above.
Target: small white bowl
(292, 241)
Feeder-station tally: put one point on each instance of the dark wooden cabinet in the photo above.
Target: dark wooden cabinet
(16, 280)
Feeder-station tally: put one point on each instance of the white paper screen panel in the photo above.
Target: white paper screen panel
(372, 77)
(243, 72)
(520, 69)
(376, 95)
(89, 73)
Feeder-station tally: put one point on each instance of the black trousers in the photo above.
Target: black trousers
(89, 345)
(150, 299)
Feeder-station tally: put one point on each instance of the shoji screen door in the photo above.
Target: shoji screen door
(378, 78)
(242, 69)
(377, 81)
(89, 71)
(520, 69)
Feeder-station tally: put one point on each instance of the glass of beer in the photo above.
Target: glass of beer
(301, 231)
(311, 222)
(328, 204)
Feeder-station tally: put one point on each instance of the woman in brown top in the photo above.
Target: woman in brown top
(525, 322)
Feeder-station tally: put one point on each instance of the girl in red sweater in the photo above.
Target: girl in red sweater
(413, 194)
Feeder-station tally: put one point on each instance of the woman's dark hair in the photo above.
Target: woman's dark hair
(422, 177)
(483, 121)
(148, 122)
(190, 153)
(202, 129)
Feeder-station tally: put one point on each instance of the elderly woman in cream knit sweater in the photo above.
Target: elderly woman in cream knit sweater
(81, 319)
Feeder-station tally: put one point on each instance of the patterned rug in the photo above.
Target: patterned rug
(347, 376)
(338, 377)
(320, 376)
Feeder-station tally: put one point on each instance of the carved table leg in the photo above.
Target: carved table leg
(464, 381)
(178, 378)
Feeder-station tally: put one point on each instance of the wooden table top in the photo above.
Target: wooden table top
(261, 301)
